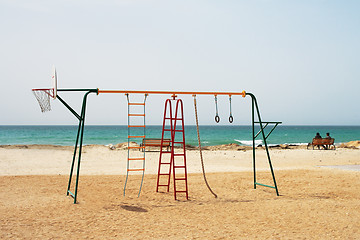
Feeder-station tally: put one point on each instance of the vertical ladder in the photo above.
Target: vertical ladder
(135, 159)
(177, 163)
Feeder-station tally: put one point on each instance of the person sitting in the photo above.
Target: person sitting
(327, 137)
(318, 135)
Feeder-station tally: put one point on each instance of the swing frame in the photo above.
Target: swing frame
(81, 117)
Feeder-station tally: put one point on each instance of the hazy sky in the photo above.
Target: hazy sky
(300, 58)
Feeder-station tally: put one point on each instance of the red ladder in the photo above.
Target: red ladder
(175, 165)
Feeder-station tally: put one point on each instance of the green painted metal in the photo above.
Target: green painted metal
(253, 134)
(95, 90)
(79, 137)
(71, 194)
(256, 107)
(68, 107)
(276, 124)
(267, 123)
(264, 185)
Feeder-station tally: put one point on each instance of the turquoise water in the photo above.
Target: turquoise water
(210, 135)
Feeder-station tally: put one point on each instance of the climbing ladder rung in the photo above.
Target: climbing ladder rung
(136, 131)
(165, 163)
(136, 136)
(177, 130)
(141, 158)
(133, 170)
(175, 118)
(181, 174)
(143, 104)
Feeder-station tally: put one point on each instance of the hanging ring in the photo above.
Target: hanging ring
(231, 119)
(217, 119)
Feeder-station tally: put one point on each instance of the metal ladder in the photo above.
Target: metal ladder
(175, 164)
(135, 159)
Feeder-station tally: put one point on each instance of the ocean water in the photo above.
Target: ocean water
(210, 134)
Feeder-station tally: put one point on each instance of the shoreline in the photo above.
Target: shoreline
(230, 146)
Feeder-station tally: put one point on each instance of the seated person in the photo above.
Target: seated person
(327, 137)
(317, 135)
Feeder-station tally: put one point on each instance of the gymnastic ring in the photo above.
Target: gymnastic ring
(231, 119)
(217, 119)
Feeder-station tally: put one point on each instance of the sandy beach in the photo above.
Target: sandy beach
(317, 201)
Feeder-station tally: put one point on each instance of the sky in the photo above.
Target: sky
(299, 58)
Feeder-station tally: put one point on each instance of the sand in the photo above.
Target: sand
(315, 202)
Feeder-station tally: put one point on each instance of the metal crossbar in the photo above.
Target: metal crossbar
(81, 118)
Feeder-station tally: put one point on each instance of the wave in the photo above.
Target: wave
(296, 143)
(249, 142)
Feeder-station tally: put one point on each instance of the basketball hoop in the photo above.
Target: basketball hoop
(43, 95)
(43, 98)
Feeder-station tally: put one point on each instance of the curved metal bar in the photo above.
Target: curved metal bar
(254, 104)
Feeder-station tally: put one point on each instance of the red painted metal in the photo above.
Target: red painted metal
(173, 123)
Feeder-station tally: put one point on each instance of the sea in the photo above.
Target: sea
(210, 135)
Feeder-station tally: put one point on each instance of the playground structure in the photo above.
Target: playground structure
(44, 95)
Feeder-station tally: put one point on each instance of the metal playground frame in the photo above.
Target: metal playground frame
(54, 93)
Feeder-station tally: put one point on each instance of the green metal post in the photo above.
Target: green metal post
(74, 156)
(264, 138)
(79, 136)
(253, 138)
(80, 147)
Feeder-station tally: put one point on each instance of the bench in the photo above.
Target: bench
(155, 142)
(325, 143)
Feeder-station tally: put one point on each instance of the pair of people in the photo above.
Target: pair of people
(327, 137)
(318, 135)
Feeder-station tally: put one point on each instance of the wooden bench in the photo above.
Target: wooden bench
(155, 142)
(325, 143)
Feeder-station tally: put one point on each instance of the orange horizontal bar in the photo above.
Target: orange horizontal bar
(136, 158)
(136, 136)
(142, 169)
(136, 126)
(243, 93)
(136, 103)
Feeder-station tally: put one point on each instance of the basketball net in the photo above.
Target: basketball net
(43, 97)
